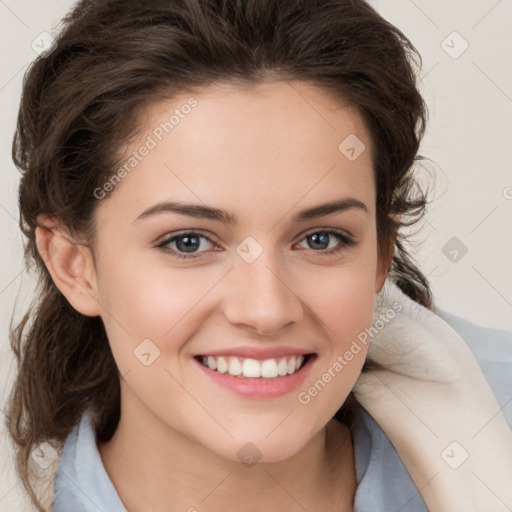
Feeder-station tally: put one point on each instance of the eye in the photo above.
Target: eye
(192, 244)
(186, 244)
(327, 241)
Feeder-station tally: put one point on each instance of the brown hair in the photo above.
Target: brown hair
(81, 103)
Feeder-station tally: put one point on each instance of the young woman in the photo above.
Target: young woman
(213, 192)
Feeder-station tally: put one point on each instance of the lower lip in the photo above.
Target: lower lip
(259, 387)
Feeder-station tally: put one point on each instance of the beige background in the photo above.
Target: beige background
(469, 139)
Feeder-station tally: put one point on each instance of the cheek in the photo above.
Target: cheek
(342, 300)
(144, 303)
(341, 297)
(151, 317)
(347, 302)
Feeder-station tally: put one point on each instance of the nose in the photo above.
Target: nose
(261, 298)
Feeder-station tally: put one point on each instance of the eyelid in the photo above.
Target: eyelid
(171, 237)
(213, 239)
(345, 240)
(165, 239)
(325, 229)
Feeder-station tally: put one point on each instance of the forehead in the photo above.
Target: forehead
(279, 141)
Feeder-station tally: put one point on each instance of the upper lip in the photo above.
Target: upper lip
(258, 353)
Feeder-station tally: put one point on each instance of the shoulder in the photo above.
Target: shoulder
(81, 481)
(492, 349)
(483, 341)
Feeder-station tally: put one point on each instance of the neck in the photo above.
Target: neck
(153, 466)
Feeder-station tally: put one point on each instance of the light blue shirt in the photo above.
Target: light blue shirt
(83, 485)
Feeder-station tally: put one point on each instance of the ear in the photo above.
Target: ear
(384, 262)
(70, 265)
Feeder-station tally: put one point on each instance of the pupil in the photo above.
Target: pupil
(187, 243)
(319, 238)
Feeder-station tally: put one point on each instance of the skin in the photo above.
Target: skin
(263, 154)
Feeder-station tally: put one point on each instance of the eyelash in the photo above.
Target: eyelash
(345, 240)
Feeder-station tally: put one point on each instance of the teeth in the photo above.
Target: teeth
(252, 368)
(222, 365)
(235, 366)
(282, 367)
(269, 368)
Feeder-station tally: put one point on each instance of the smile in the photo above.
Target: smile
(253, 368)
(256, 379)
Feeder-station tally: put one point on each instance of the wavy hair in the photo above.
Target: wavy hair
(81, 103)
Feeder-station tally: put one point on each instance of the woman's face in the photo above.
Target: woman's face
(245, 227)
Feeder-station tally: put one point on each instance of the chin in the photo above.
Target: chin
(250, 449)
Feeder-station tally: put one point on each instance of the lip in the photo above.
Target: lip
(258, 353)
(260, 388)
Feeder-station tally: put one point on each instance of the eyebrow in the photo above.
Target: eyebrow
(208, 212)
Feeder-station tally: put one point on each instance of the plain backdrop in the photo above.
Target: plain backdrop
(465, 243)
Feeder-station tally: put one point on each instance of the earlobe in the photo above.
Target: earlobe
(70, 265)
(382, 274)
(383, 265)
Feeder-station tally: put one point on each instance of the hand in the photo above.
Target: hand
(433, 402)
